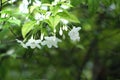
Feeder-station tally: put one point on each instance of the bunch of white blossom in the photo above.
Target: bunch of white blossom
(24, 6)
(50, 40)
(32, 43)
(44, 16)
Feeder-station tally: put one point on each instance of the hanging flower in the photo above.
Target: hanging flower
(24, 6)
(22, 44)
(39, 16)
(47, 15)
(51, 41)
(74, 34)
(112, 7)
(33, 43)
(44, 7)
(37, 3)
(60, 31)
(55, 2)
(60, 10)
(64, 21)
(65, 27)
(11, 1)
(64, 6)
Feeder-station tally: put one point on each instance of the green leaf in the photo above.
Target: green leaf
(93, 6)
(27, 27)
(54, 9)
(14, 21)
(6, 12)
(68, 16)
(3, 19)
(53, 21)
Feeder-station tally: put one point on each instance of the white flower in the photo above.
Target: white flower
(25, 2)
(44, 7)
(112, 7)
(19, 41)
(64, 21)
(41, 37)
(55, 2)
(24, 6)
(39, 16)
(51, 41)
(10, 52)
(47, 15)
(33, 43)
(65, 27)
(60, 31)
(54, 30)
(64, 6)
(11, 1)
(74, 34)
(4, 15)
(60, 10)
(37, 3)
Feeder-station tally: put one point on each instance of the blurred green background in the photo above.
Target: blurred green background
(95, 57)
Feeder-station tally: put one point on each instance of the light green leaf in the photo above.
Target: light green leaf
(15, 21)
(54, 9)
(68, 16)
(53, 21)
(3, 19)
(27, 27)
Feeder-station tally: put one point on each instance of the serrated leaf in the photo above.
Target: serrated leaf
(27, 27)
(68, 16)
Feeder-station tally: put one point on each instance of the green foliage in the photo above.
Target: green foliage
(14, 21)
(27, 27)
(53, 21)
(69, 16)
(95, 57)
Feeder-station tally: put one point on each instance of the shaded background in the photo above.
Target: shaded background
(95, 57)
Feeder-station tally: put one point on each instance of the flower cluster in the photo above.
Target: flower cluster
(51, 40)
(24, 6)
(32, 43)
(49, 20)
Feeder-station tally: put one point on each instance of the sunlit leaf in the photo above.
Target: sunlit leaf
(68, 16)
(27, 27)
(15, 21)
